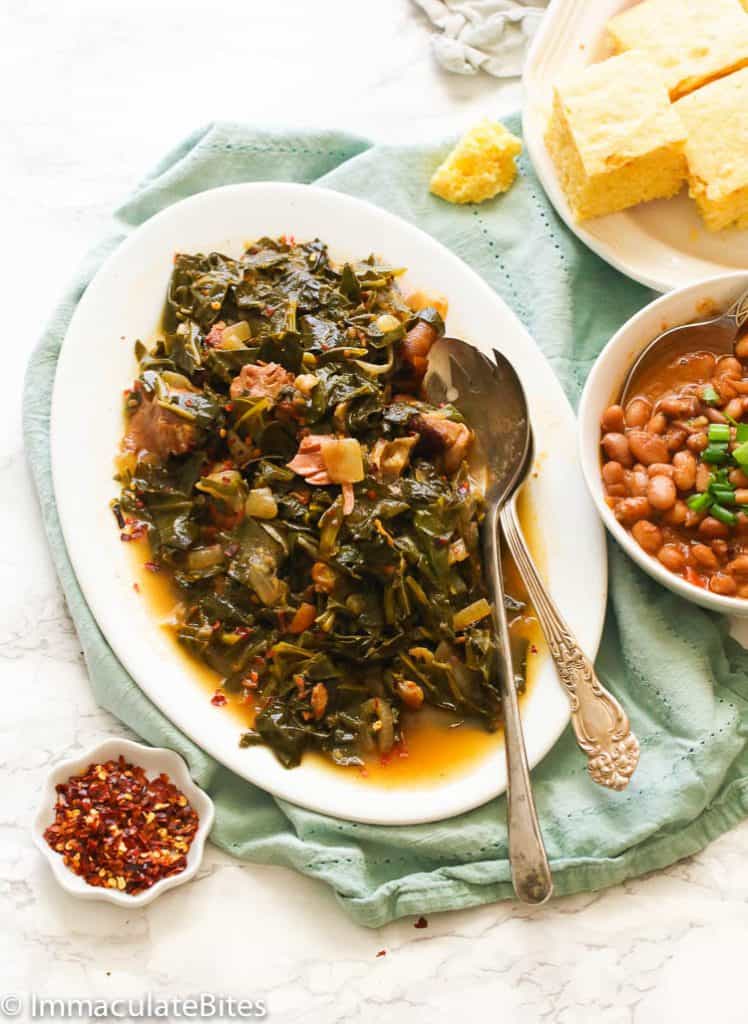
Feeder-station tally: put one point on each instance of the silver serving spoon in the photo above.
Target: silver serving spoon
(717, 334)
(485, 393)
(600, 724)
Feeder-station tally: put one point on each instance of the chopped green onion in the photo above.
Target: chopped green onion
(717, 453)
(709, 395)
(724, 515)
(741, 432)
(719, 432)
(741, 454)
(699, 502)
(724, 495)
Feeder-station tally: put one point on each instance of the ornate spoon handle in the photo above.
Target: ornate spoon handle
(531, 874)
(600, 723)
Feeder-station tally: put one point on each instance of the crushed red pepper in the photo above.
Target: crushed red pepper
(118, 829)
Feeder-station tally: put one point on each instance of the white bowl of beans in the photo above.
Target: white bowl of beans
(667, 472)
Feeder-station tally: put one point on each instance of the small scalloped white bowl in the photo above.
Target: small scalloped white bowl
(154, 760)
(603, 388)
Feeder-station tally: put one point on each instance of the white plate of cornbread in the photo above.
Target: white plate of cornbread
(636, 120)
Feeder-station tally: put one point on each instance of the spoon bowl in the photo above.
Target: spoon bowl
(490, 396)
(716, 334)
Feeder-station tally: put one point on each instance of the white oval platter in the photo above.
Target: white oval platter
(124, 302)
(662, 244)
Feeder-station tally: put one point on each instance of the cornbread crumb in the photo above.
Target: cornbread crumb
(716, 120)
(693, 41)
(481, 165)
(614, 137)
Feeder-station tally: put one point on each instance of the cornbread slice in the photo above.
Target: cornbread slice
(481, 165)
(614, 137)
(716, 120)
(693, 41)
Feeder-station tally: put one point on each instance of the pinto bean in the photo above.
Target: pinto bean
(735, 408)
(637, 481)
(678, 406)
(657, 424)
(741, 348)
(721, 583)
(617, 490)
(740, 386)
(697, 442)
(702, 477)
(715, 416)
(661, 493)
(704, 556)
(675, 439)
(741, 496)
(616, 447)
(638, 412)
(726, 388)
(728, 366)
(613, 419)
(672, 558)
(631, 510)
(711, 528)
(737, 478)
(647, 535)
(684, 470)
(613, 473)
(647, 448)
(661, 469)
(719, 547)
(738, 566)
(676, 515)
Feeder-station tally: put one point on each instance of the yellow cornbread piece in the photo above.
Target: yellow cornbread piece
(614, 136)
(481, 165)
(693, 41)
(716, 120)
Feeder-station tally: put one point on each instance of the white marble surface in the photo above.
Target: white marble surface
(91, 94)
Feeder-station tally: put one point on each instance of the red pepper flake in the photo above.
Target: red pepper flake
(152, 566)
(251, 680)
(421, 923)
(134, 529)
(118, 829)
(219, 700)
(136, 587)
(382, 952)
(533, 649)
(371, 495)
(268, 310)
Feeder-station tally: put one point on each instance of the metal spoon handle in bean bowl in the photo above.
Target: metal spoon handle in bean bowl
(600, 724)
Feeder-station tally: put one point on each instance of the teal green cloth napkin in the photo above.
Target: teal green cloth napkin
(683, 681)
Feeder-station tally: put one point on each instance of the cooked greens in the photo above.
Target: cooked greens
(315, 513)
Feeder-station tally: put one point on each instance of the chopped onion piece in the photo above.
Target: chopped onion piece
(343, 460)
(235, 335)
(471, 614)
(261, 504)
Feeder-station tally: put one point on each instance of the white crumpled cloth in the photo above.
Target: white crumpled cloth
(483, 35)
